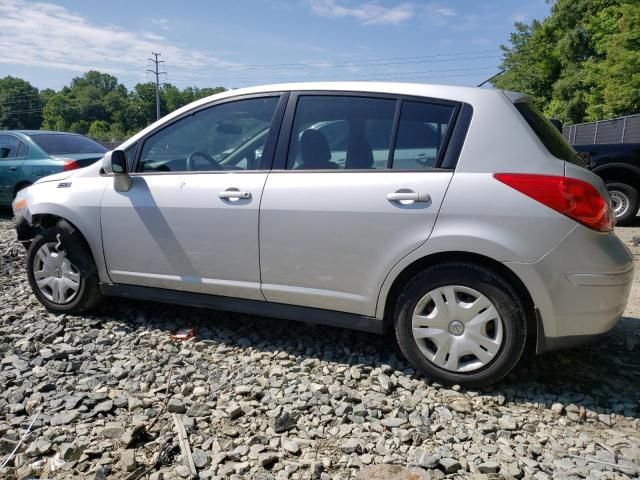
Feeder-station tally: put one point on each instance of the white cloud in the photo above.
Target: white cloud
(440, 10)
(520, 17)
(367, 13)
(48, 35)
(162, 23)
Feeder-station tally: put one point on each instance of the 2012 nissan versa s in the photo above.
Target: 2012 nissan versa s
(458, 217)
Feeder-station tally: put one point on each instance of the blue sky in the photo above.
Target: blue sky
(248, 42)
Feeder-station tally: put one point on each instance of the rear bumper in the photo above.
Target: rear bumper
(580, 288)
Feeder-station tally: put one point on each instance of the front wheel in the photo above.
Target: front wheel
(460, 323)
(61, 270)
(624, 201)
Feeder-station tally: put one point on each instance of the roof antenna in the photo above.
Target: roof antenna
(491, 78)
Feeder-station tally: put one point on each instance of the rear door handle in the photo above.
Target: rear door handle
(408, 196)
(13, 169)
(234, 194)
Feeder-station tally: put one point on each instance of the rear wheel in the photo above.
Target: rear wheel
(460, 323)
(61, 270)
(624, 201)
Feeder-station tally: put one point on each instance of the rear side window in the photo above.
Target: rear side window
(548, 134)
(341, 132)
(62, 144)
(23, 150)
(421, 134)
(8, 146)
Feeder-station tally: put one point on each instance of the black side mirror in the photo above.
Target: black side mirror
(119, 162)
(115, 162)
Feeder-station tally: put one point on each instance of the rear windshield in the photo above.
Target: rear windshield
(548, 134)
(56, 144)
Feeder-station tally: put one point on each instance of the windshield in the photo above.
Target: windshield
(57, 144)
(548, 134)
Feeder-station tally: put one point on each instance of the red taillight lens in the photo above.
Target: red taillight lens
(70, 165)
(574, 198)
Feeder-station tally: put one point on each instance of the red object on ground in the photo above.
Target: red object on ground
(183, 334)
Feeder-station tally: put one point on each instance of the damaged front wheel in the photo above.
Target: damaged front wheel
(61, 270)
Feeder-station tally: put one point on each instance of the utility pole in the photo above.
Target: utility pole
(157, 73)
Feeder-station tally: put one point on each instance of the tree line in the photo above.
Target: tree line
(581, 63)
(94, 104)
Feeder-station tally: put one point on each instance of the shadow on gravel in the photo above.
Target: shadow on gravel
(6, 213)
(602, 377)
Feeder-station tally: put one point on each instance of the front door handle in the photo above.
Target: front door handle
(408, 196)
(234, 194)
(13, 169)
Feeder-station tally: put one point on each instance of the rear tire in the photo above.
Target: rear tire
(624, 200)
(61, 270)
(461, 323)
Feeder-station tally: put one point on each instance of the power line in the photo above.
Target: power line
(157, 74)
(356, 65)
(345, 75)
(347, 63)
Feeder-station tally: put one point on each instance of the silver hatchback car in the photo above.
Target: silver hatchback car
(457, 217)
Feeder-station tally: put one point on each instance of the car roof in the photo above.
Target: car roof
(452, 92)
(32, 133)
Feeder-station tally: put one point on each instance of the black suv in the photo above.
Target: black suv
(618, 164)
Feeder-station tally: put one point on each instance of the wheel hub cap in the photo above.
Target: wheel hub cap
(58, 280)
(457, 328)
(619, 203)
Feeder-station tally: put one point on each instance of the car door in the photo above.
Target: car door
(12, 155)
(333, 225)
(190, 219)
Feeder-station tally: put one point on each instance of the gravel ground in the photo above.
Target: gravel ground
(271, 399)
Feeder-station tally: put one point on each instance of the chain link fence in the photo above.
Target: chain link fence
(617, 130)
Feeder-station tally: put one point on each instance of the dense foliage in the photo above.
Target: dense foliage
(581, 63)
(94, 104)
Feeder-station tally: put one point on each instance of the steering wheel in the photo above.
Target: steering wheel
(191, 163)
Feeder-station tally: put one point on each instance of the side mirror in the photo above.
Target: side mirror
(115, 162)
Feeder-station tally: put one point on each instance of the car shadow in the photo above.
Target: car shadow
(602, 377)
(6, 213)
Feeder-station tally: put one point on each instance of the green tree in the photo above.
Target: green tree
(581, 63)
(94, 104)
(20, 104)
(92, 97)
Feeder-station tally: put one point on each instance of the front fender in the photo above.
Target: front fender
(78, 204)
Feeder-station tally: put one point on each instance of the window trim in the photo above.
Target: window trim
(286, 130)
(266, 160)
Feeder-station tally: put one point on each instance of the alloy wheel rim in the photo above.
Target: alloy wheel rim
(58, 279)
(619, 202)
(457, 328)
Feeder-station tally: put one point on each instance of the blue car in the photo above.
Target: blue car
(27, 155)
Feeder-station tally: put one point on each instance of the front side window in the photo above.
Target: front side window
(421, 134)
(341, 132)
(8, 146)
(229, 136)
(130, 154)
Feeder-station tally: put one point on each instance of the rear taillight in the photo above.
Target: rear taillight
(574, 198)
(70, 165)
